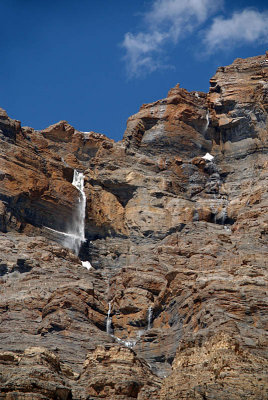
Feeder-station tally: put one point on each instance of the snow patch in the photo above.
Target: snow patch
(86, 264)
(208, 157)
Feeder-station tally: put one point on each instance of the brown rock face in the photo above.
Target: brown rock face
(115, 372)
(172, 126)
(40, 375)
(175, 304)
(239, 105)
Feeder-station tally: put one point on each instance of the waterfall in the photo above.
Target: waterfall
(109, 320)
(207, 121)
(77, 228)
(224, 216)
(128, 343)
(149, 318)
(75, 235)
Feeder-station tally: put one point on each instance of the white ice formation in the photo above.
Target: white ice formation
(87, 265)
(128, 343)
(208, 157)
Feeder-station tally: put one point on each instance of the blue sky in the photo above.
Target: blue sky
(93, 63)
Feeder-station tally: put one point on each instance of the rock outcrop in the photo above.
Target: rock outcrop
(175, 303)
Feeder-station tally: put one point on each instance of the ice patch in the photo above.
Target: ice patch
(128, 343)
(208, 157)
(86, 264)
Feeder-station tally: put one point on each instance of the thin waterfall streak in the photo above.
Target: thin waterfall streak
(149, 318)
(207, 121)
(62, 233)
(109, 320)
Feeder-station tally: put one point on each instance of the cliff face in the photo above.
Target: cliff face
(175, 304)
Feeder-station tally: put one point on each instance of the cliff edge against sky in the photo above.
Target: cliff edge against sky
(174, 305)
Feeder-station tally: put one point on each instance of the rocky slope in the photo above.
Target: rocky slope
(175, 304)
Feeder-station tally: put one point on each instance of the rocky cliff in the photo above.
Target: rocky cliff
(173, 302)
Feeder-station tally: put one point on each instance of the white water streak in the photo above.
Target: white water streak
(76, 234)
(109, 320)
(69, 235)
(207, 121)
(150, 317)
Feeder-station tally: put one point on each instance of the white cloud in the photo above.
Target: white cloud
(166, 21)
(140, 49)
(181, 11)
(245, 27)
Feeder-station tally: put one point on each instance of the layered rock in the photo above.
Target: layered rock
(175, 304)
(238, 102)
(115, 372)
(37, 172)
(175, 125)
(40, 375)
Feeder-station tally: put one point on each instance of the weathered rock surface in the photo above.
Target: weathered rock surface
(116, 373)
(40, 375)
(175, 306)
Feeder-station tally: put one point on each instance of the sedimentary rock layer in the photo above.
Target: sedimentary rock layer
(177, 244)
